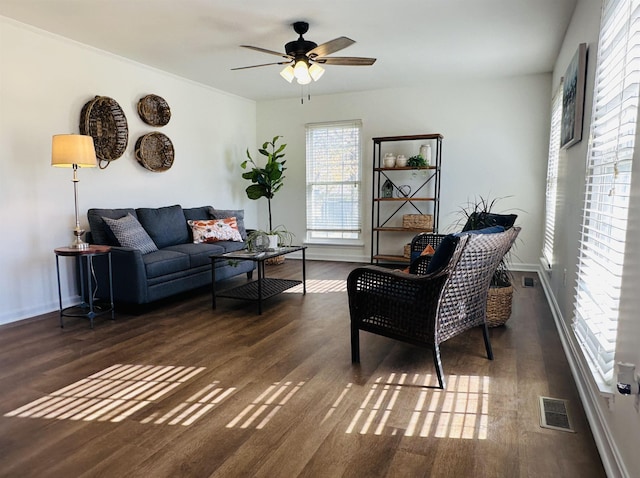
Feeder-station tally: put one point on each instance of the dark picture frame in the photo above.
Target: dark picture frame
(573, 98)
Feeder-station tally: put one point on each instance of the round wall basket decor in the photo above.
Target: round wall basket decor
(155, 152)
(103, 120)
(154, 110)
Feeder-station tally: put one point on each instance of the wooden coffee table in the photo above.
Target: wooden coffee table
(262, 288)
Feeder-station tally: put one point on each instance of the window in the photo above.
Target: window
(608, 178)
(552, 176)
(334, 157)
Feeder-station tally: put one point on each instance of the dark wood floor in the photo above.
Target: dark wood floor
(180, 390)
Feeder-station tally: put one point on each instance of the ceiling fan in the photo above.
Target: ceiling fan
(303, 58)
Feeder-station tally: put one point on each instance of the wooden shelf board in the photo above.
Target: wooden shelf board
(403, 229)
(403, 199)
(407, 168)
(408, 138)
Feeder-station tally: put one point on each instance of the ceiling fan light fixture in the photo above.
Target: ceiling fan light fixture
(301, 72)
(288, 73)
(316, 71)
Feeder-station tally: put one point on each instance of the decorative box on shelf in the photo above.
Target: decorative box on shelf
(417, 221)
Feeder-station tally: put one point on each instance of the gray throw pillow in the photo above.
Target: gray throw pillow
(130, 233)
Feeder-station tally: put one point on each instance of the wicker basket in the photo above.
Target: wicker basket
(154, 110)
(102, 118)
(417, 221)
(274, 261)
(407, 251)
(155, 152)
(499, 305)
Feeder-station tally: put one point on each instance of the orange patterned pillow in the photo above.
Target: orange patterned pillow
(213, 230)
(428, 251)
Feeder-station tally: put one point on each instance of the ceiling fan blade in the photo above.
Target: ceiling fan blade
(264, 64)
(345, 60)
(331, 46)
(264, 50)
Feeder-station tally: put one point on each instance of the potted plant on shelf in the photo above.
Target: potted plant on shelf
(478, 214)
(266, 181)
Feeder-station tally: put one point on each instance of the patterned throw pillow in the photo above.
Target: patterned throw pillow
(130, 233)
(213, 230)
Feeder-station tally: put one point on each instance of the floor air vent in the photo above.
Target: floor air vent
(553, 414)
(528, 282)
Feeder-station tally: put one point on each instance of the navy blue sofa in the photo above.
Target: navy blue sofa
(177, 266)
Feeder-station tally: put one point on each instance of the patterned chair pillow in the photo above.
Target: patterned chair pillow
(213, 230)
(130, 233)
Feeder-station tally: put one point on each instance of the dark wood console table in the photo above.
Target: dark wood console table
(263, 287)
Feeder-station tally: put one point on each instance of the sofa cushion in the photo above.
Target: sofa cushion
(199, 254)
(237, 213)
(100, 232)
(164, 262)
(129, 233)
(197, 213)
(213, 230)
(166, 225)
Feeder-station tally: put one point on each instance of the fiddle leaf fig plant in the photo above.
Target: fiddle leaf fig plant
(266, 181)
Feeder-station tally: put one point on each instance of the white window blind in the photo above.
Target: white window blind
(552, 176)
(609, 161)
(334, 157)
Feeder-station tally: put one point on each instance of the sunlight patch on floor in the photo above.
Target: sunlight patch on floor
(316, 286)
(112, 394)
(265, 405)
(460, 411)
(193, 408)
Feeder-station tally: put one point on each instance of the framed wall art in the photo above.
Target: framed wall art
(573, 98)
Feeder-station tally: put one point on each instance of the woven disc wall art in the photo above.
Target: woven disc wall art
(102, 118)
(155, 152)
(154, 110)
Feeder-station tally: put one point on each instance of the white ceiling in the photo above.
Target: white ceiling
(413, 40)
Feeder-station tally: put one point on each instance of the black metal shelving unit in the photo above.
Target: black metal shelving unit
(386, 211)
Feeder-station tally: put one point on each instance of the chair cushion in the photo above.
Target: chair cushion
(166, 225)
(485, 230)
(443, 253)
(480, 220)
(129, 233)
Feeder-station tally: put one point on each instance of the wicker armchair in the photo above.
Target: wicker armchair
(426, 310)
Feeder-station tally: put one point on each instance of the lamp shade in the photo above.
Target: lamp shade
(287, 73)
(301, 72)
(70, 149)
(316, 71)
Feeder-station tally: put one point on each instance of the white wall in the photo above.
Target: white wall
(495, 144)
(616, 430)
(44, 82)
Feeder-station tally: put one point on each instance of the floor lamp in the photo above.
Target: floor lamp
(74, 151)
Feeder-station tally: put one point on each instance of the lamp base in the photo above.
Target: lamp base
(78, 243)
